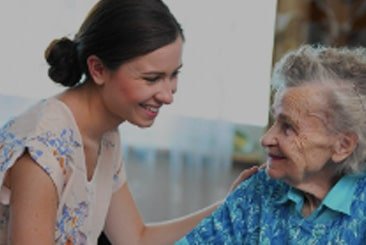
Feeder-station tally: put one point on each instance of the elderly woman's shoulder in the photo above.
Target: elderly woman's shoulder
(361, 185)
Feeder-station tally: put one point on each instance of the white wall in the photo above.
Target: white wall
(27, 27)
(227, 57)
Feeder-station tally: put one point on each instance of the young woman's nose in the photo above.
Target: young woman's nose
(166, 92)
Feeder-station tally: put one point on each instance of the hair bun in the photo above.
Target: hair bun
(62, 57)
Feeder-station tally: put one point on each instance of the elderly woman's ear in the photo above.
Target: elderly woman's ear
(344, 146)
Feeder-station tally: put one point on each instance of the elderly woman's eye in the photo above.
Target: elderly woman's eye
(286, 127)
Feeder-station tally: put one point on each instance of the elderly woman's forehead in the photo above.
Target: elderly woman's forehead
(303, 99)
(302, 106)
(309, 92)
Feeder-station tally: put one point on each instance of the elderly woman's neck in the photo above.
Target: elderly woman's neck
(315, 191)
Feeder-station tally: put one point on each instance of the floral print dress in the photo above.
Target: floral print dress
(49, 133)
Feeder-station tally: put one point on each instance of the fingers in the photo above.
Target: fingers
(245, 174)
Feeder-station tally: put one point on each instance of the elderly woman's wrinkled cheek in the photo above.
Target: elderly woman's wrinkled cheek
(299, 149)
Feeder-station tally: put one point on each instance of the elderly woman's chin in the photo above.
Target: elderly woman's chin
(274, 170)
(281, 172)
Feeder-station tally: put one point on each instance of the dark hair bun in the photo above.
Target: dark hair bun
(62, 57)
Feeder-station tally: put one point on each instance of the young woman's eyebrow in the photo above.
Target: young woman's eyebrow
(159, 73)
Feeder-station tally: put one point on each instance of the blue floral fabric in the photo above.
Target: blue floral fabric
(49, 133)
(254, 214)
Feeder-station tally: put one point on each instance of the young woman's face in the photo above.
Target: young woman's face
(299, 144)
(137, 90)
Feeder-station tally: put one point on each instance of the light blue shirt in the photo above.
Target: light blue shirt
(266, 211)
(337, 201)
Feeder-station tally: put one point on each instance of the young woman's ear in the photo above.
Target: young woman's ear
(96, 68)
(344, 146)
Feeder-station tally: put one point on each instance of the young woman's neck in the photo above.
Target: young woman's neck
(87, 106)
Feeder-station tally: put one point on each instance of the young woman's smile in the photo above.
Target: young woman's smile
(137, 90)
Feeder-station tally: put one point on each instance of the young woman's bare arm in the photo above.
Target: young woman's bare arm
(33, 204)
(124, 224)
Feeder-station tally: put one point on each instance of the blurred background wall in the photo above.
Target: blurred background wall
(318, 22)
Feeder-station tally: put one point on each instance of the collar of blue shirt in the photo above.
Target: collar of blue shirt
(339, 199)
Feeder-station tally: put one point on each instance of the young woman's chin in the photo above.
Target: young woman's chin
(142, 123)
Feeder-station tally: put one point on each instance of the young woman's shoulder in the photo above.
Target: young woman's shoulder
(48, 133)
(46, 115)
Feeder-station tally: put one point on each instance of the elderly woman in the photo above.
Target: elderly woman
(313, 189)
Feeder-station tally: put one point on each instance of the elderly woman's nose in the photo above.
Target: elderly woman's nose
(268, 138)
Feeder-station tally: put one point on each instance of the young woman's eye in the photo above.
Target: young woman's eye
(152, 79)
(175, 74)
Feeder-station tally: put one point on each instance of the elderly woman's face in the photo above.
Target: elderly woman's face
(299, 145)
